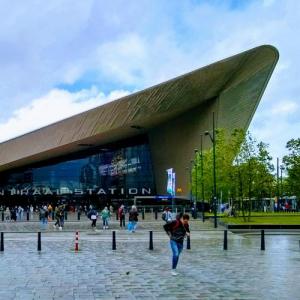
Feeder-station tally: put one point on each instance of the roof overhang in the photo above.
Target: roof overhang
(139, 112)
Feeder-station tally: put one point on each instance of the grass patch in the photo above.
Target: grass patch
(277, 220)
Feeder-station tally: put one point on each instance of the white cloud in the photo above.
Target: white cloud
(52, 107)
(144, 44)
(284, 108)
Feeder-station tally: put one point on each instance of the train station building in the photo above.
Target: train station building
(122, 149)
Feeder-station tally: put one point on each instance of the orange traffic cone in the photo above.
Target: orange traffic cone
(76, 241)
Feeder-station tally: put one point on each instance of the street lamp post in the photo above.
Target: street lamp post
(202, 179)
(213, 139)
(189, 169)
(196, 182)
(281, 190)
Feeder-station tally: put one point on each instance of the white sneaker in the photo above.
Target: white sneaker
(174, 273)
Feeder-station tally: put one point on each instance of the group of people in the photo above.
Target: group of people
(105, 215)
(176, 227)
(18, 213)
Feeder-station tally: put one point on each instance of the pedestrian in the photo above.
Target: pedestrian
(50, 209)
(167, 215)
(133, 219)
(62, 217)
(177, 230)
(121, 214)
(58, 215)
(7, 214)
(13, 214)
(43, 217)
(105, 215)
(20, 213)
(31, 212)
(93, 215)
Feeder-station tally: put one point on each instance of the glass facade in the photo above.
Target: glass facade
(116, 173)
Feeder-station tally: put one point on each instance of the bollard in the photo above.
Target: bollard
(151, 240)
(76, 241)
(225, 240)
(156, 214)
(39, 247)
(2, 242)
(28, 216)
(2, 216)
(262, 243)
(66, 215)
(114, 247)
(78, 216)
(188, 242)
(143, 214)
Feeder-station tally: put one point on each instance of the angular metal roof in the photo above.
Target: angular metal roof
(233, 80)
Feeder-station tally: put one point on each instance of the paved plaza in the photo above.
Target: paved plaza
(134, 272)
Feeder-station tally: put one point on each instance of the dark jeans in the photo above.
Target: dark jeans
(94, 223)
(122, 221)
(176, 250)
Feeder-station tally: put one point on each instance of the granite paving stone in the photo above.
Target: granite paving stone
(134, 272)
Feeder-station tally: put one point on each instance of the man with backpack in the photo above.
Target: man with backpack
(177, 230)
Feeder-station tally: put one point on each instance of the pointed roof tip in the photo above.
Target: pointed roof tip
(270, 47)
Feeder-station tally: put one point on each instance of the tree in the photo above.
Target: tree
(292, 166)
(243, 170)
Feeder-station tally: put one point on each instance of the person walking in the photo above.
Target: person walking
(105, 215)
(167, 215)
(121, 214)
(31, 212)
(57, 213)
(177, 230)
(93, 215)
(7, 214)
(133, 219)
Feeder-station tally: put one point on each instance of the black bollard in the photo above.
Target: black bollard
(78, 216)
(114, 246)
(2, 216)
(2, 242)
(39, 247)
(28, 216)
(188, 242)
(66, 215)
(151, 240)
(155, 214)
(225, 240)
(262, 243)
(143, 214)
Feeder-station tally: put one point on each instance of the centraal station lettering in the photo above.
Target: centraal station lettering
(66, 191)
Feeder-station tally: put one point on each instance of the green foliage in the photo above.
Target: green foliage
(243, 170)
(292, 165)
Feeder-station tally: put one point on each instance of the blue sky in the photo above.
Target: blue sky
(58, 58)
